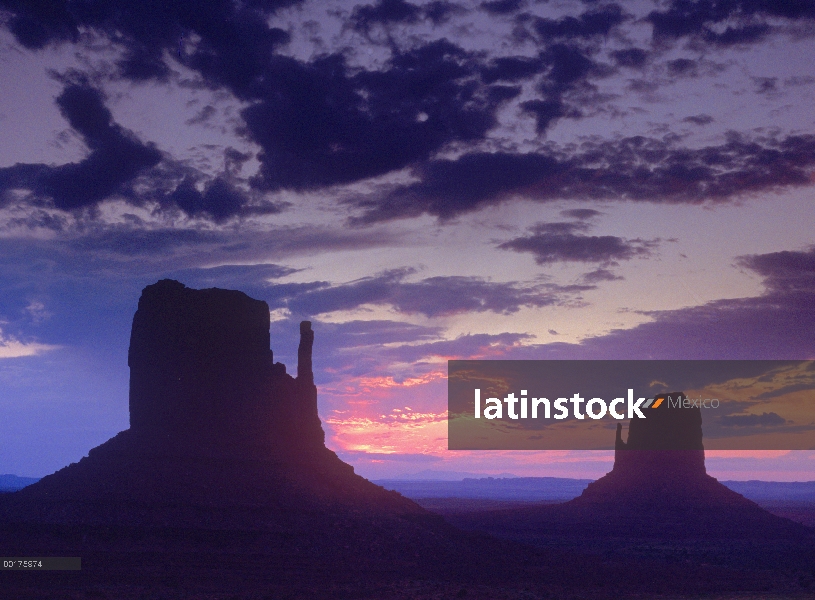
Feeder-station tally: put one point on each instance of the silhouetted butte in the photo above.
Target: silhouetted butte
(217, 430)
(658, 488)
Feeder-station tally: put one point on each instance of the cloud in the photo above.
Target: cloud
(783, 391)
(634, 58)
(502, 7)
(786, 272)
(229, 31)
(765, 85)
(725, 23)
(565, 242)
(241, 255)
(330, 120)
(117, 164)
(763, 420)
(10, 347)
(511, 68)
(250, 279)
(581, 214)
(35, 25)
(324, 122)
(776, 325)
(219, 201)
(204, 115)
(700, 119)
(682, 67)
(594, 23)
(362, 334)
(440, 11)
(116, 157)
(384, 12)
(598, 275)
(471, 346)
(431, 297)
(636, 168)
(320, 124)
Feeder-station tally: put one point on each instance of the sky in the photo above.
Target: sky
(424, 181)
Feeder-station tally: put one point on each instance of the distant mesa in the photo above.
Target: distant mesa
(658, 489)
(662, 462)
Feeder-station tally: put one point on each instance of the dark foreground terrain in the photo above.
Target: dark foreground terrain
(342, 562)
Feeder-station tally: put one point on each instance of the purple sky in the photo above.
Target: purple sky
(424, 181)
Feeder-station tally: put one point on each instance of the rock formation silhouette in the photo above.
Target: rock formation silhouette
(223, 480)
(203, 380)
(663, 462)
(217, 429)
(658, 488)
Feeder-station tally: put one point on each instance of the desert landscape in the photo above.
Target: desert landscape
(304, 299)
(223, 484)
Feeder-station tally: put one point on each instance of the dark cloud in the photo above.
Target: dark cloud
(319, 124)
(598, 275)
(229, 43)
(432, 297)
(565, 242)
(568, 65)
(233, 161)
(682, 67)
(219, 200)
(502, 7)
(116, 157)
(568, 69)
(637, 168)
(766, 85)
(441, 11)
(725, 22)
(630, 57)
(593, 23)
(40, 219)
(117, 163)
(785, 272)
(511, 68)
(325, 122)
(448, 188)
(36, 24)
(384, 12)
(161, 250)
(129, 241)
(642, 86)
(581, 213)
(700, 119)
(322, 122)
(236, 33)
(547, 111)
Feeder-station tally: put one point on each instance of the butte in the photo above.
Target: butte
(658, 490)
(223, 480)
